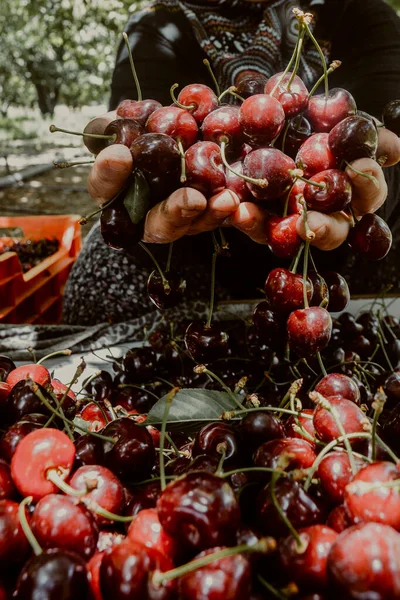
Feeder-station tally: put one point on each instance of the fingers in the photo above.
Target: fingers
(171, 219)
(367, 197)
(330, 230)
(219, 208)
(388, 147)
(110, 171)
(251, 219)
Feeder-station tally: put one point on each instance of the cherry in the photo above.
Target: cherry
(262, 118)
(293, 424)
(293, 100)
(282, 237)
(294, 196)
(146, 529)
(392, 389)
(267, 322)
(308, 565)
(370, 325)
(14, 546)
(175, 122)
(37, 453)
(117, 229)
(93, 567)
(126, 572)
(6, 366)
(354, 137)
(140, 364)
(126, 131)
(350, 327)
(22, 401)
(334, 196)
(211, 437)
(204, 169)
(132, 455)
(161, 297)
(370, 237)
(156, 154)
(143, 498)
(259, 427)
(320, 289)
(228, 577)
(199, 99)
(337, 384)
(293, 135)
(334, 472)
(7, 488)
(139, 111)
(199, 510)
(206, 344)
(59, 389)
(309, 330)
(100, 387)
(12, 437)
(96, 126)
(391, 116)
(5, 390)
(339, 294)
(237, 184)
(338, 518)
(315, 155)
(324, 113)
(37, 373)
(353, 561)
(300, 454)
(89, 451)
(223, 123)
(60, 522)
(352, 418)
(284, 290)
(204, 462)
(270, 164)
(249, 85)
(95, 417)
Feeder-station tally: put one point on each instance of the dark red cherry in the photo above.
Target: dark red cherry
(370, 237)
(89, 451)
(6, 366)
(237, 184)
(262, 118)
(337, 384)
(223, 123)
(295, 195)
(324, 113)
(143, 497)
(284, 290)
(126, 131)
(334, 196)
(259, 427)
(200, 510)
(211, 437)
(267, 323)
(7, 487)
(309, 330)
(352, 418)
(339, 293)
(22, 401)
(14, 546)
(117, 229)
(204, 169)
(354, 137)
(164, 298)
(293, 135)
(391, 116)
(320, 289)
(370, 325)
(206, 344)
(294, 99)
(334, 472)
(315, 155)
(175, 122)
(53, 575)
(300, 454)
(139, 111)
(282, 237)
(140, 364)
(392, 389)
(156, 154)
(338, 518)
(249, 85)
(100, 387)
(12, 437)
(349, 326)
(270, 164)
(201, 97)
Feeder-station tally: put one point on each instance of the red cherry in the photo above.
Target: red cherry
(12, 437)
(94, 416)
(293, 101)
(200, 96)
(282, 237)
(206, 344)
(262, 118)
(175, 122)
(7, 488)
(284, 290)
(139, 111)
(337, 384)
(270, 164)
(309, 330)
(324, 113)
(93, 567)
(370, 237)
(36, 454)
(209, 438)
(60, 388)
(237, 184)
(339, 293)
(126, 131)
(292, 425)
(308, 565)
(37, 373)
(14, 546)
(299, 451)
(295, 195)
(364, 562)
(146, 529)
(258, 427)
(338, 518)
(250, 84)
(334, 197)
(354, 137)
(335, 473)
(204, 169)
(315, 155)
(352, 418)
(223, 123)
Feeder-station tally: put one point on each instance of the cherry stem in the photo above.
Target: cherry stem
(322, 57)
(382, 342)
(305, 272)
(298, 55)
(206, 62)
(285, 132)
(309, 232)
(332, 67)
(251, 470)
(67, 165)
(320, 361)
(312, 261)
(221, 449)
(37, 549)
(290, 63)
(174, 447)
(377, 405)
(168, 401)
(276, 475)
(175, 101)
(203, 369)
(224, 242)
(169, 259)
(265, 545)
(54, 476)
(183, 177)
(66, 352)
(293, 268)
(228, 415)
(366, 175)
(263, 183)
(212, 292)
(79, 370)
(90, 216)
(387, 449)
(135, 77)
(166, 285)
(97, 136)
(103, 512)
(271, 589)
(232, 91)
(298, 174)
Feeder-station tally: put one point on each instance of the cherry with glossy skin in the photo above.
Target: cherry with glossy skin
(392, 389)
(338, 518)
(315, 155)
(211, 436)
(320, 289)
(140, 364)
(226, 578)
(95, 417)
(309, 330)
(270, 164)
(100, 387)
(353, 561)
(284, 290)
(352, 418)
(14, 546)
(53, 575)
(252, 84)
(175, 122)
(293, 424)
(158, 294)
(324, 113)
(370, 325)
(267, 323)
(59, 389)
(370, 237)
(12, 436)
(7, 487)
(259, 427)
(262, 119)
(36, 454)
(89, 451)
(206, 344)
(282, 237)
(146, 529)
(199, 510)
(142, 498)
(334, 472)
(117, 229)
(223, 123)
(295, 195)
(308, 566)
(337, 384)
(237, 184)
(334, 197)
(204, 168)
(137, 110)
(156, 154)
(339, 293)
(5, 390)
(391, 116)
(293, 135)
(23, 401)
(201, 97)
(300, 452)
(293, 101)
(350, 327)
(37, 373)
(354, 137)
(6, 366)
(126, 131)
(93, 567)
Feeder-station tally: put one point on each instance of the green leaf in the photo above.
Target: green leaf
(137, 198)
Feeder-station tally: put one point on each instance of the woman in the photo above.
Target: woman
(169, 41)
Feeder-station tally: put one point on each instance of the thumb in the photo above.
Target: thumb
(368, 195)
(110, 171)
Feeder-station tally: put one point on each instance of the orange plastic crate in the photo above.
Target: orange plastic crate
(36, 296)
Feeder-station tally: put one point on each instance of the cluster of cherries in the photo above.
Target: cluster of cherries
(31, 252)
(293, 493)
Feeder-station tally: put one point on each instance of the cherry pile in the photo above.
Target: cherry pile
(31, 252)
